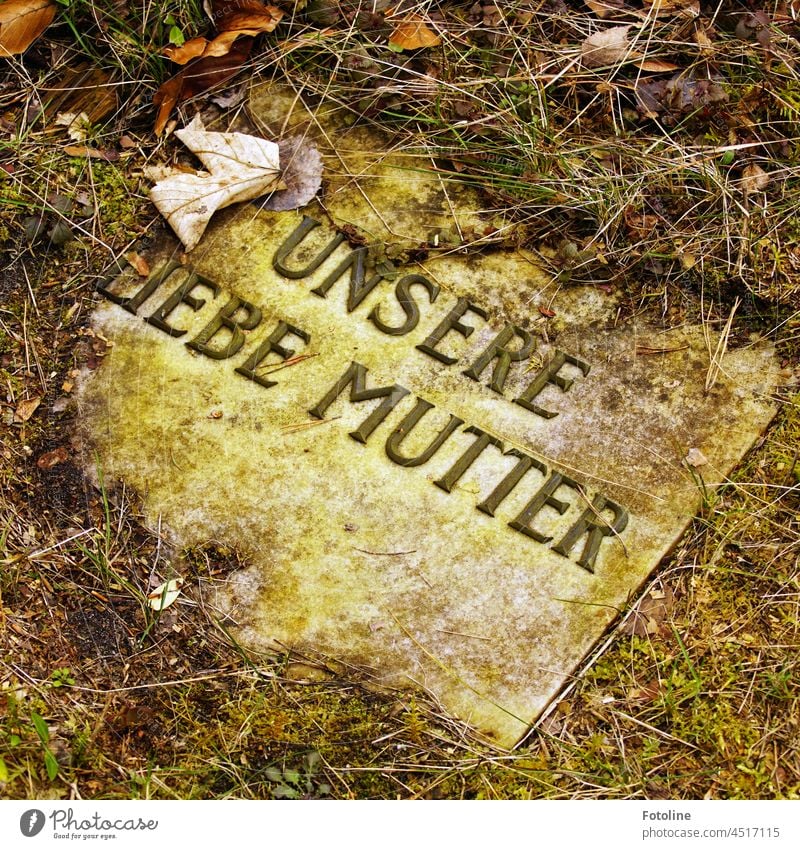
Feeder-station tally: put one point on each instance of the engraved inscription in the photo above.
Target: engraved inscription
(229, 332)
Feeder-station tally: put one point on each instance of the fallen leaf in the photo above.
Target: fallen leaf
(607, 47)
(25, 409)
(132, 717)
(678, 96)
(245, 17)
(22, 22)
(191, 49)
(648, 692)
(650, 615)
(754, 179)
(165, 594)
(605, 8)
(253, 15)
(198, 76)
(302, 175)
(240, 168)
(695, 458)
(77, 124)
(139, 263)
(412, 33)
(655, 66)
(663, 8)
(91, 152)
(53, 458)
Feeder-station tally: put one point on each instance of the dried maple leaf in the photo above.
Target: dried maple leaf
(22, 22)
(240, 168)
(412, 33)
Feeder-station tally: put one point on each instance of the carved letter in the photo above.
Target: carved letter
(224, 318)
(549, 374)
(271, 343)
(497, 350)
(154, 280)
(544, 497)
(356, 378)
(504, 488)
(182, 295)
(407, 302)
(359, 288)
(407, 425)
(451, 322)
(450, 478)
(300, 232)
(592, 523)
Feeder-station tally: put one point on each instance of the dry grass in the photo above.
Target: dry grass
(695, 693)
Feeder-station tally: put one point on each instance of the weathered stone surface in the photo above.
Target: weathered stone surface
(371, 561)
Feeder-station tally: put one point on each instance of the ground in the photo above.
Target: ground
(668, 170)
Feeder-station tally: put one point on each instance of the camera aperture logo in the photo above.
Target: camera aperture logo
(66, 825)
(31, 822)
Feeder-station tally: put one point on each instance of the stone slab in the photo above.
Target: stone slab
(358, 546)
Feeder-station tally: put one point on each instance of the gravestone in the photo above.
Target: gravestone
(446, 471)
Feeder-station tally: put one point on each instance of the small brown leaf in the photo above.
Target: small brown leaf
(664, 8)
(198, 76)
(53, 458)
(191, 49)
(648, 692)
(754, 179)
(92, 153)
(25, 409)
(22, 22)
(248, 15)
(412, 33)
(605, 8)
(655, 66)
(139, 263)
(607, 47)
